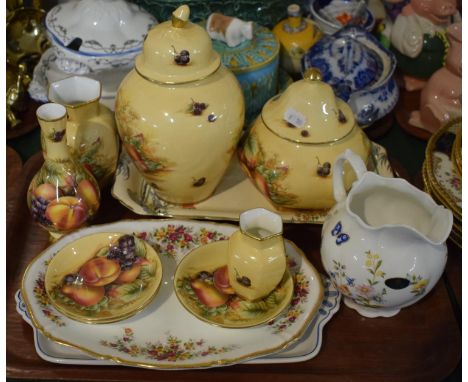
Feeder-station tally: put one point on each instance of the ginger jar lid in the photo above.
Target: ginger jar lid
(308, 112)
(177, 51)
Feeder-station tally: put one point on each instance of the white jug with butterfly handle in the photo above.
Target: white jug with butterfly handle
(383, 243)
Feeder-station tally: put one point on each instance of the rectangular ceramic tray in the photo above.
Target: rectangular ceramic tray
(235, 194)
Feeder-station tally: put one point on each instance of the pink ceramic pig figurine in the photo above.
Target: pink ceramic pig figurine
(441, 97)
(418, 38)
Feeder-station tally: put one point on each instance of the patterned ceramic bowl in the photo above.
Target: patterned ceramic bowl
(332, 15)
(92, 35)
(104, 277)
(360, 71)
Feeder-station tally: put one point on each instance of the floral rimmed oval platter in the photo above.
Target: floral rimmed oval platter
(202, 286)
(306, 348)
(103, 277)
(235, 194)
(165, 335)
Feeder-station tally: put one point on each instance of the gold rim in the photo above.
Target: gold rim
(448, 200)
(119, 360)
(429, 188)
(76, 105)
(297, 141)
(176, 82)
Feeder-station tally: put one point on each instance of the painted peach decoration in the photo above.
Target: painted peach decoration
(180, 112)
(63, 195)
(103, 278)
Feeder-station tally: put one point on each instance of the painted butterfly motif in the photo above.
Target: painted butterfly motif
(341, 237)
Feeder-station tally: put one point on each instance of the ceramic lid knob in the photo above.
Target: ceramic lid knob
(313, 74)
(294, 10)
(180, 16)
(177, 51)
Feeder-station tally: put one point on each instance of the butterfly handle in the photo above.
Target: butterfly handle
(339, 191)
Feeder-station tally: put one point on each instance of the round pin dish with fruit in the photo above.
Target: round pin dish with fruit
(103, 278)
(241, 282)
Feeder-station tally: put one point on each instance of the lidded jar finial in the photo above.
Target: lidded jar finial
(313, 74)
(180, 16)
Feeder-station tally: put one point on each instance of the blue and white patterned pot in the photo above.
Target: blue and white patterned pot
(255, 65)
(359, 69)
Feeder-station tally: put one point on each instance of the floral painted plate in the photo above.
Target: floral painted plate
(306, 348)
(441, 171)
(197, 285)
(165, 335)
(103, 277)
(235, 194)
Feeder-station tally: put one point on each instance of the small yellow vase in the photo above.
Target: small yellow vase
(62, 196)
(256, 254)
(296, 35)
(91, 132)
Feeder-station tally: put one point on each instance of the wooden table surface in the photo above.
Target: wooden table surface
(423, 342)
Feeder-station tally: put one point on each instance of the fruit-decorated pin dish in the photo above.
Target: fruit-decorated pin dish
(202, 285)
(104, 277)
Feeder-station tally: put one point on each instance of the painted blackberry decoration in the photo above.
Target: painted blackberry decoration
(199, 182)
(341, 117)
(244, 280)
(182, 58)
(124, 252)
(197, 108)
(38, 208)
(323, 170)
(57, 136)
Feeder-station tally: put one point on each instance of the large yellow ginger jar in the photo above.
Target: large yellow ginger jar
(180, 112)
(290, 148)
